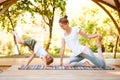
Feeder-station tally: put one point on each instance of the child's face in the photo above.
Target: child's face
(49, 60)
(45, 59)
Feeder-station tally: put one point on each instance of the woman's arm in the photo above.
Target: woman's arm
(31, 58)
(88, 35)
(62, 52)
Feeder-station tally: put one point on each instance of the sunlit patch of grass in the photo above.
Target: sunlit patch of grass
(3, 56)
(111, 55)
(106, 55)
(15, 56)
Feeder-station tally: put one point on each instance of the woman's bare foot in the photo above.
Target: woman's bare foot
(86, 64)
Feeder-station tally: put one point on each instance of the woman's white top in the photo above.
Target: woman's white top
(72, 41)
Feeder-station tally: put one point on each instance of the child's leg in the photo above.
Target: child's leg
(19, 40)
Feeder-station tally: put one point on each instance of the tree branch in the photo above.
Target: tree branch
(10, 20)
(40, 12)
(1, 12)
(45, 20)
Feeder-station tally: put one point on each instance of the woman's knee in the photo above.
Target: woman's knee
(102, 64)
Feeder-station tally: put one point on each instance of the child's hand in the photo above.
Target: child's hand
(61, 64)
(27, 65)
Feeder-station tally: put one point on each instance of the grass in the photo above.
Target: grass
(15, 56)
(111, 55)
(106, 55)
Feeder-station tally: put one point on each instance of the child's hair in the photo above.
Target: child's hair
(49, 60)
(64, 20)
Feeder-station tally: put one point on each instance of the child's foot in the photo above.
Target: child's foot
(12, 32)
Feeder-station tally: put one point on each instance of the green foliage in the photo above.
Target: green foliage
(9, 18)
(109, 47)
(92, 21)
(45, 8)
(24, 37)
(6, 47)
(55, 51)
(24, 50)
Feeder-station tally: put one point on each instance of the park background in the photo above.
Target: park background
(34, 20)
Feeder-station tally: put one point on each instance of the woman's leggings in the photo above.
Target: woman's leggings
(87, 54)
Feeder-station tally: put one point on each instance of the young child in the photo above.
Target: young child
(35, 49)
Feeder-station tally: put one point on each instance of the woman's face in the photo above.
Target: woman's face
(63, 26)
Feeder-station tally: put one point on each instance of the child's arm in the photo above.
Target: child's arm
(44, 61)
(62, 52)
(31, 58)
(19, 40)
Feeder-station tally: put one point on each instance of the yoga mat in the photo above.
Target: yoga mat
(54, 67)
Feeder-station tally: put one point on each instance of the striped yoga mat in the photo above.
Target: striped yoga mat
(42, 67)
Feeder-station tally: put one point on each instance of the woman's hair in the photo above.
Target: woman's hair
(64, 20)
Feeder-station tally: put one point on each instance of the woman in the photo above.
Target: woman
(70, 37)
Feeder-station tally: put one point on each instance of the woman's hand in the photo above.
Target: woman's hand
(99, 36)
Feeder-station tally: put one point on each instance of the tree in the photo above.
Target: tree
(92, 20)
(9, 20)
(46, 8)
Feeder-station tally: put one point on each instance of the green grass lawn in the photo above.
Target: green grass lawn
(106, 55)
(111, 55)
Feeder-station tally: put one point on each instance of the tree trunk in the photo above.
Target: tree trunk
(115, 48)
(50, 35)
(50, 29)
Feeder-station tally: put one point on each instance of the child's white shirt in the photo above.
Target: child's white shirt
(39, 51)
